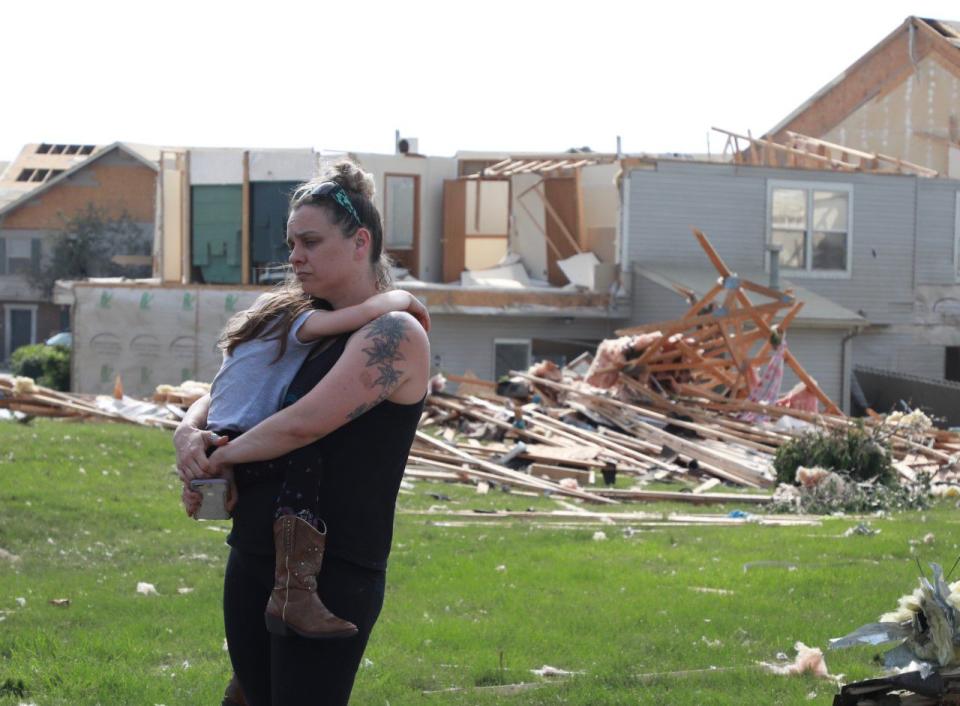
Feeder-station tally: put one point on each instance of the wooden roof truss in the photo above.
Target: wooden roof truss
(803, 151)
(713, 346)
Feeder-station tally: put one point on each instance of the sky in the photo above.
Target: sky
(521, 76)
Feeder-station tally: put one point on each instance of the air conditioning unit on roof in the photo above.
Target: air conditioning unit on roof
(407, 145)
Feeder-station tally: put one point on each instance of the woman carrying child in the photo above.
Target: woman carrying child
(331, 457)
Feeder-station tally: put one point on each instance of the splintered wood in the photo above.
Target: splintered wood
(673, 401)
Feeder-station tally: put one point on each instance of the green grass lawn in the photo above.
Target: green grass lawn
(91, 510)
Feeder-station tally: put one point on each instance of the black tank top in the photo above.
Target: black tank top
(361, 465)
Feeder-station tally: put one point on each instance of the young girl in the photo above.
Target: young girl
(263, 348)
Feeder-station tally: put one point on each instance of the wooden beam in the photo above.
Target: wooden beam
(245, 221)
(559, 221)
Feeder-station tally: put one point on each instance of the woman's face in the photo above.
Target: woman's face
(322, 259)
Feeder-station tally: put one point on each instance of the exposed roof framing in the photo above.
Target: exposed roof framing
(798, 150)
(527, 165)
(132, 151)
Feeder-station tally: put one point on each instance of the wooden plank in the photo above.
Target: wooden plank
(691, 498)
(558, 220)
(507, 472)
(542, 470)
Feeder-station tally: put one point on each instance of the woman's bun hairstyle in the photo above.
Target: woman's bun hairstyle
(360, 188)
(351, 177)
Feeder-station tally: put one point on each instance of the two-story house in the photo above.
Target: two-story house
(116, 179)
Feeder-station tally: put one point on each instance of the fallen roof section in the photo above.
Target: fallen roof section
(818, 311)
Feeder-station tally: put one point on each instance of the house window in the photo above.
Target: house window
(510, 354)
(812, 224)
(401, 211)
(25, 175)
(19, 258)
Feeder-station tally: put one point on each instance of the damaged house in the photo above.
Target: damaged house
(57, 182)
(454, 232)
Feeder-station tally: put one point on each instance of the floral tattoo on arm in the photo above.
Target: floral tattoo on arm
(383, 352)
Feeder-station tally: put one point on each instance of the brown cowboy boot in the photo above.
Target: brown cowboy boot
(294, 605)
(233, 696)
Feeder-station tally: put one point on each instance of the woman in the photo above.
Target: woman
(350, 415)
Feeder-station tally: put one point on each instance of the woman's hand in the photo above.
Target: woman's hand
(191, 445)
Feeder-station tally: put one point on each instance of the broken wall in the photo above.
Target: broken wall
(601, 210)
(909, 120)
(529, 224)
(432, 171)
(149, 335)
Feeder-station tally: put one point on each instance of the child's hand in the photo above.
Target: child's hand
(399, 300)
(417, 310)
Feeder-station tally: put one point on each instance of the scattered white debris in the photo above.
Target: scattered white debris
(548, 671)
(147, 589)
(718, 591)
(8, 556)
(367, 663)
(22, 602)
(599, 536)
(502, 568)
(184, 590)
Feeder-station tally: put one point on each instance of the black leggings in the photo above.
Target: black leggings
(277, 671)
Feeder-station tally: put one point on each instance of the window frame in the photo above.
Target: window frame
(809, 187)
(405, 256)
(528, 342)
(8, 257)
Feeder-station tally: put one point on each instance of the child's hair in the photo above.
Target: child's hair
(271, 318)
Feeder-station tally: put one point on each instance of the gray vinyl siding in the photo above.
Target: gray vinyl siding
(936, 231)
(900, 352)
(459, 343)
(653, 302)
(729, 203)
(820, 352)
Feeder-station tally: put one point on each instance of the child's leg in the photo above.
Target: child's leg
(300, 540)
(300, 493)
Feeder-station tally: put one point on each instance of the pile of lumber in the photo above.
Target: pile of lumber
(25, 399)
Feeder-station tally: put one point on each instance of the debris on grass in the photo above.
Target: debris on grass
(599, 536)
(548, 671)
(809, 660)
(926, 622)
(862, 529)
(60, 602)
(717, 591)
(146, 589)
(8, 556)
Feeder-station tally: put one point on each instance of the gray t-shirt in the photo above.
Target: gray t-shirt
(248, 388)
